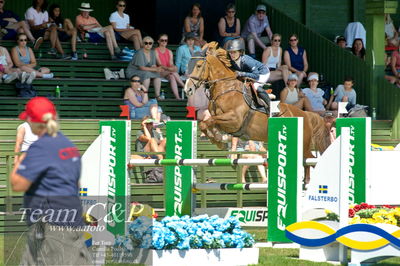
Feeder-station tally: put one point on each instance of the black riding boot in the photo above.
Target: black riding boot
(264, 97)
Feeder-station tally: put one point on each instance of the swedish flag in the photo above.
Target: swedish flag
(83, 191)
(323, 189)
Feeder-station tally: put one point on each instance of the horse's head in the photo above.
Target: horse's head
(197, 68)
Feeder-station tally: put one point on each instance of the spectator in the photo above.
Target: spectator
(49, 175)
(292, 95)
(254, 27)
(137, 98)
(166, 62)
(272, 57)
(343, 93)
(150, 139)
(250, 145)
(24, 58)
(295, 58)
(97, 33)
(392, 36)
(185, 52)
(194, 23)
(65, 29)
(7, 71)
(38, 20)
(341, 42)
(315, 95)
(229, 25)
(395, 67)
(25, 137)
(122, 28)
(13, 25)
(358, 48)
(247, 67)
(144, 65)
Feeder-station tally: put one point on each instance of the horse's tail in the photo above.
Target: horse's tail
(320, 135)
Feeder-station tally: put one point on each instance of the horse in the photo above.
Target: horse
(232, 115)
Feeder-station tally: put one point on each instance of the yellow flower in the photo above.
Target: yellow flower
(328, 211)
(355, 220)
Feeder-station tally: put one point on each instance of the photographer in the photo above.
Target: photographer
(49, 175)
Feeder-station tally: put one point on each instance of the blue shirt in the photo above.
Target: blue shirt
(7, 14)
(249, 67)
(183, 56)
(340, 92)
(316, 98)
(253, 24)
(53, 165)
(296, 60)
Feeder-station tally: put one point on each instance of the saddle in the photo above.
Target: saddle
(251, 98)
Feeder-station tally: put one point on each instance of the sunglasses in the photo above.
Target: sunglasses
(231, 11)
(135, 80)
(121, 5)
(148, 43)
(1, 2)
(23, 40)
(293, 40)
(261, 12)
(277, 40)
(163, 40)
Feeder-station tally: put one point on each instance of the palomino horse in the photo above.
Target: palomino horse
(231, 114)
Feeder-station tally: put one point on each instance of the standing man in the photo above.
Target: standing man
(254, 27)
(49, 175)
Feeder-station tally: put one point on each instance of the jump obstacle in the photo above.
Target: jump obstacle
(284, 171)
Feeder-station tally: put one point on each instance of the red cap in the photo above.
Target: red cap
(35, 109)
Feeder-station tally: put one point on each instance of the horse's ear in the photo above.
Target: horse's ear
(204, 51)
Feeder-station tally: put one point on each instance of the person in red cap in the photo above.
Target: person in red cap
(49, 174)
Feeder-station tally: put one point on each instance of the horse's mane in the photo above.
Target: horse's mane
(220, 53)
(320, 134)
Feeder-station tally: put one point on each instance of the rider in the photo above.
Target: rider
(246, 66)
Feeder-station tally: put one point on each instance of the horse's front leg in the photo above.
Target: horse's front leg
(214, 135)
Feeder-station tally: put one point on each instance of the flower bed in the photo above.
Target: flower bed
(174, 239)
(370, 214)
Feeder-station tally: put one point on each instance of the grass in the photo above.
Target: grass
(268, 256)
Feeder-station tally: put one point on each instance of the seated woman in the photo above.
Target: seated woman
(149, 138)
(120, 22)
(315, 95)
(65, 29)
(194, 23)
(166, 62)
(272, 57)
(292, 95)
(137, 98)
(295, 58)
(185, 52)
(358, 48)
(343, 93)
(144, 65)
(24, 58)
(229, 25)
(97, 33)
(7, 71)
(38, 20)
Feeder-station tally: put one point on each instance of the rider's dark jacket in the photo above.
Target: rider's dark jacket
(249, 67)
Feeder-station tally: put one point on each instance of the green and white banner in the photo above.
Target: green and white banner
(115, 155)
(181, 144)
(360, 146)
(285, 174)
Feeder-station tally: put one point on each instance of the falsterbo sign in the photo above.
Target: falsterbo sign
(181, 144)
(285, 171)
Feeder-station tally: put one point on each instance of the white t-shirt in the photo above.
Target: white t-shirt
(121, 22)
(29, 137)
(37, 17)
